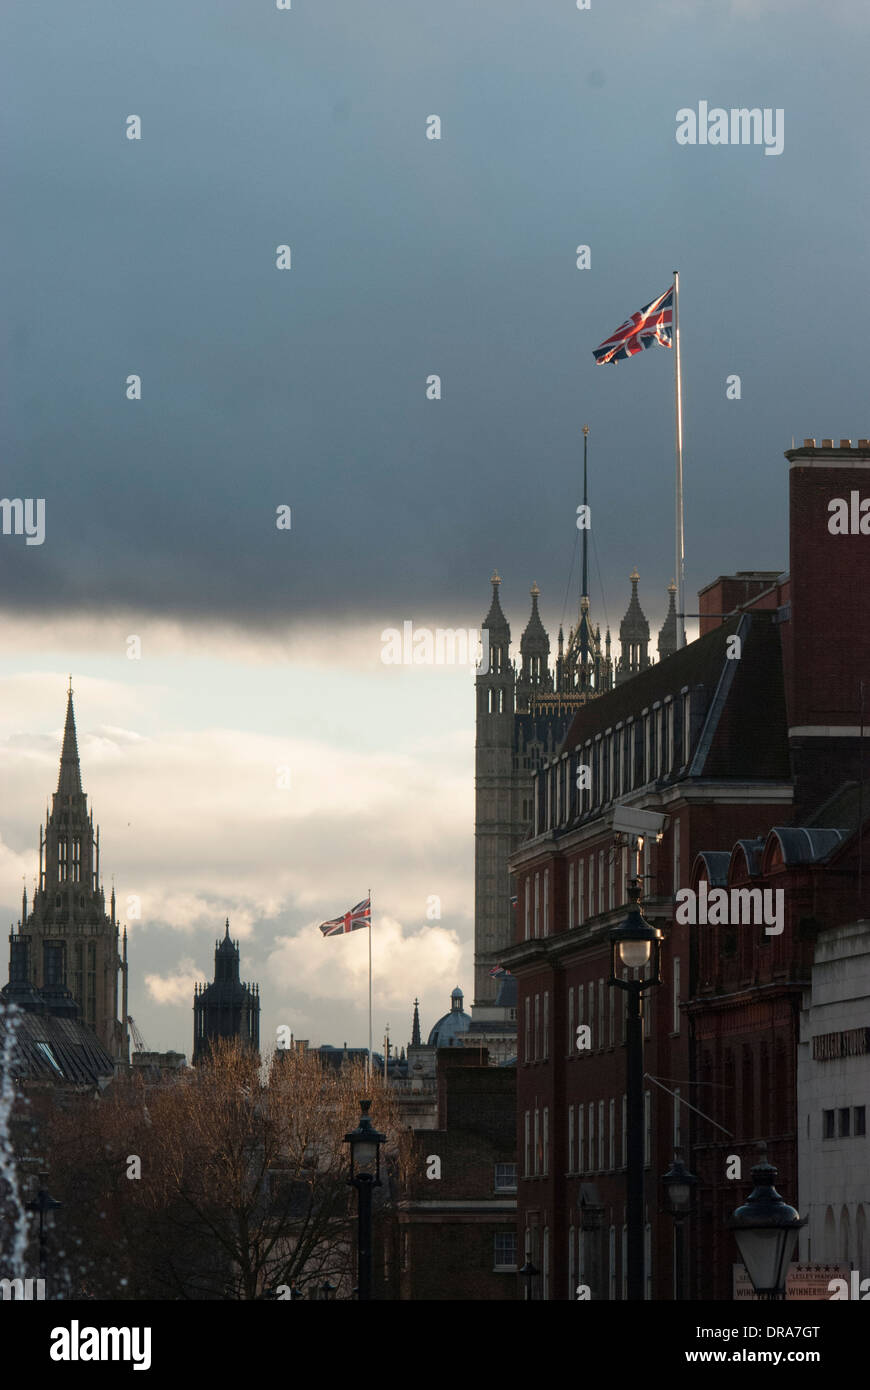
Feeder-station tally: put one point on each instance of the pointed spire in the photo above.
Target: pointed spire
(633, 637)
(668, 634)
(495, 618)
(69, 782)
(415, 1028)
(227, 932)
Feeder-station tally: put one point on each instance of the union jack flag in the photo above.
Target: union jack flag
(654, 323)
(359, 916)
(497, 971)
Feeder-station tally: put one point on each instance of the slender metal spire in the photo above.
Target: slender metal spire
(69, 782)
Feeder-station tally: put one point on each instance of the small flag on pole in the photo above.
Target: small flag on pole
(357, 917)
(654, 323)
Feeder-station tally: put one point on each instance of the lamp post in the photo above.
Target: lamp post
(42, 1203)
(365, 1173)
(635, 945)
(765, 1229)
(678, 1183)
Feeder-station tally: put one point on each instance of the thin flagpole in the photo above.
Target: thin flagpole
(370, 1062)
(678, 538)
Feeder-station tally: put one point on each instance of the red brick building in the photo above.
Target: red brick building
(744, 735)
(457, 1234)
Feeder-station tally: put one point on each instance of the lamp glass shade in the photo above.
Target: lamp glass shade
(634, 954)
(365, 1153)
(766, 1253)
(679, 1194)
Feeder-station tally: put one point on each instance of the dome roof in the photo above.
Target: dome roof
(452, 1025)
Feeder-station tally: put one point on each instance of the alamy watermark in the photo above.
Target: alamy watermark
(713, 125)
(23, 517)
(443, 647)
(717, 907)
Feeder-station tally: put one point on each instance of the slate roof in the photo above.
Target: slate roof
(59, 1050)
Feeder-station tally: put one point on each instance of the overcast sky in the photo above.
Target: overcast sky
(307, 388)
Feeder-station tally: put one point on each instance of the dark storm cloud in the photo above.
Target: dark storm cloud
(411, 257)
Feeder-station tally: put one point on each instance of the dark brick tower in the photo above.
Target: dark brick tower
(226, 1008)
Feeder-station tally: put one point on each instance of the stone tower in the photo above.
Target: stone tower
(68, 942)
(226, 1008)
(633, 637)
(522, 717)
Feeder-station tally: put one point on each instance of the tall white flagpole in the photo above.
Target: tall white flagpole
(370, 1062)
(679, 564)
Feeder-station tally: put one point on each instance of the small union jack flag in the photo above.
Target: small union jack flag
(654, 323)
(359, 916)
(497, 971)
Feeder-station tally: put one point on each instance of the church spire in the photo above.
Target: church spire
(633, 637)
(69, 782)
(415, 1029)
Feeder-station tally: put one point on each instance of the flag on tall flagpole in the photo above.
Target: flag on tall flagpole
(658, 322)
(354, 920)
(651, 324)
(357, 917)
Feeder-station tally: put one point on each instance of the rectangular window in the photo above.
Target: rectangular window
(52, 963)
(536, 1050)
(546, 1051)
(570, 1139)
(623, 884)
(505, 1250)
(672, 747)
(62, 860)
(526, 1169)
(601, 1032)
(611, 1135)
(570, 1020)
(601, 1135)
(827, 1124)
(546, 914)
(591, 1019)
(601, 883)
(569, 924)
(537, 901)
(624, 1131)
(528, 903)
(546, 1164)
(505, 1177)
(581, 1139)
(527, 1040)
(537, 1138)
(611, 886)
(591, 1136)
(77, 860)
(580, 899)
(646, 745)
(659, 768)
(845, 1117)
(613, 1005)
(591, 912)
(860, 1118)
(676, 977)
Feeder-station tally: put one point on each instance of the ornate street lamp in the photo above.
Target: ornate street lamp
(365, 1173)
(765, 1229)
(43, 1203)
(679, 1183)
(635, 945)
